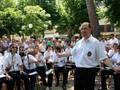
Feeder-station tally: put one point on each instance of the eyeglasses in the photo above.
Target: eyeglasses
(14, 47)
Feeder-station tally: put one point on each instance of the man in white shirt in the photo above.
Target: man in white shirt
(87, 55)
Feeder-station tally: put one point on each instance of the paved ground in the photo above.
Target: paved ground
(71, 83)
(69, 86)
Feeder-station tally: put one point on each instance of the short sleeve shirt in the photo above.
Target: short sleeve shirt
(116, 58)
(17, 61)
(88, 53)
(28, 59)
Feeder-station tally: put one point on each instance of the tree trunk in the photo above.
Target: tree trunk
(93, 17)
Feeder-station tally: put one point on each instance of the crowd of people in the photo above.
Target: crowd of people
(28, 59)
(22, 61)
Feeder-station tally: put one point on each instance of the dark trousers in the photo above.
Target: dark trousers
(116, 78)
(41, 71)
(84, 78)
(50, 80)
(69, 68)
(15, 80)
(2, 80)
(62, 70)
(29, 80)
(50, 76)
(104, 74)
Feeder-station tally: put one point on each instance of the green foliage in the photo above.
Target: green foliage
(50, 7)
(101, 9)
(7, 3)
(10, 19)
(113, 12)
(73, 13)
(42, 14)
(16, 15)
(38, 17)
(21, 4)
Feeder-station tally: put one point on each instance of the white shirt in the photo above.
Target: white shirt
(116, 59)
(60, 61)
(2, 65)
(111, 52)
(27, 60)
(88, 53)
(50, 55)
(67, 50)
(17, 61)
(41, 60)
(112, 41)
(43, 47)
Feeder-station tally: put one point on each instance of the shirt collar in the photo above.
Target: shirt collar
(89, 39)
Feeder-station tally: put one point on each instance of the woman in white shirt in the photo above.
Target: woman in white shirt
(116, 60)
(49, 58)
(14, 63)
(41, 66)
(29, 63)
(60, 68)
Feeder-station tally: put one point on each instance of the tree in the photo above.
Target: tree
(6, 4)
(17, 15)
(50, 7)
(93, 17)
(101, 9)
(10, 19)
(72, 13)
(113, 13)
(36, 16)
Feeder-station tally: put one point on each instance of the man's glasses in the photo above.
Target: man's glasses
(14, 47)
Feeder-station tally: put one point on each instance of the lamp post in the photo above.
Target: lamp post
(30, 28)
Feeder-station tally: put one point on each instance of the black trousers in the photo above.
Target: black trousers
(15, 79)
(29, 80)
(41, 71)
(68, 68)
(50, 76)
(116, 78)
(2, 80)
(84, 78)
(59, 70)
(104, 76)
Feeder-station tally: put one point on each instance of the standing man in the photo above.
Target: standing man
(87, 55)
